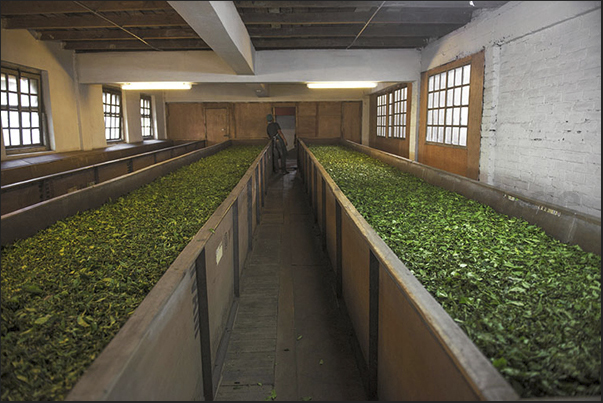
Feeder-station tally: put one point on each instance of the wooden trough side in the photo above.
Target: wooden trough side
(18, 195)
(27, 221)
(566, 225)
(173, 345)
(410, 347)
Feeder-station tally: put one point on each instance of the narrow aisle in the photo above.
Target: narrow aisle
(289, 340)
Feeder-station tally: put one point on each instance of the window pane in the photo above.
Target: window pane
(436, 99)
(448, 117)
(456, 117)
(450, 78)
(12, 83)
(448, 136)
(6, 135)
(442, 99)
(33, 86)
(35, 119)
(429, 117)
(465, 97)
(464, 116)
(25, 121)
(458, 76)
(443, 80)
(35, 135)
(457, 97)
(436, 84)
(440, 134)
(13, 99)
(24, 85)
(441, 118)
(25, 100)
(4, 99)
(15, 140)
(463, 136)
(466, 74)
(14, 120)
(431, 79)
(34, 101)
(26, 137)
(455, 135)
(3, 85)
(430, 101)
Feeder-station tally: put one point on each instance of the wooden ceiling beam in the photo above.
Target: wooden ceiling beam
(170, 44)
(21, 7)
(382, 30)
(92, 21)
(117, 34)
(417, 16)
(363, 4)
(338, 43)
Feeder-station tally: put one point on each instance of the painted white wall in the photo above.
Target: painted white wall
(20, 47)
(92, 123)
(541, 124)
(75, 111)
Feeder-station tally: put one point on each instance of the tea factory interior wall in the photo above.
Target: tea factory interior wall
(541, 122)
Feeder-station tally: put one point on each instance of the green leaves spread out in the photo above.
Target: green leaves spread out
(68, 290)
(529, 302)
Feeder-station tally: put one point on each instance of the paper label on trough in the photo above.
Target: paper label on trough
(219, 253)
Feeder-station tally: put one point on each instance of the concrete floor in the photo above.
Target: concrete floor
(290, 339)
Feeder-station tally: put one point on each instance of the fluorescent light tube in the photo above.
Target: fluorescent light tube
(342, 84)
(156, 86)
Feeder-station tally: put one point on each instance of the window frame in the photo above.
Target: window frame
(448, 106)
(146, 98)
(112, 115)
(31, 74)
(462, 160)
(392, 112)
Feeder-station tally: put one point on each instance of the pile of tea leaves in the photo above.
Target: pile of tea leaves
(67, 290)
(530, 303)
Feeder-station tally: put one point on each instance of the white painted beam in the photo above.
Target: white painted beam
(272, 66)
(219, 25)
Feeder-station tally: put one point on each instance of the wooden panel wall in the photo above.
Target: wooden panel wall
(250, 120)
(307, 119)
(351, 121)
(247, 120)
(329, 119)
(186, 121)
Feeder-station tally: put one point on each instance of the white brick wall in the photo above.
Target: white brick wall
(541, 125)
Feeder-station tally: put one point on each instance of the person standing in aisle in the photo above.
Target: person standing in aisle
(279, 144)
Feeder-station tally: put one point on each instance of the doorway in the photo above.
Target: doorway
(285, 117)
(216, 121)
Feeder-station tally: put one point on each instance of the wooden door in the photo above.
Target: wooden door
(217, 125)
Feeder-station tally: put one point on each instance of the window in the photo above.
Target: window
(112, 111)
(381, 115)
(22, 110)
(448, 106)
(392, 109)
(146, 118)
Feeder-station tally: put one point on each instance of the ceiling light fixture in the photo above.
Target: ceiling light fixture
(157, 86)
(342, 84)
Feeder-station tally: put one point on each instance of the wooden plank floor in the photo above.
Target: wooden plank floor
(289, 340)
